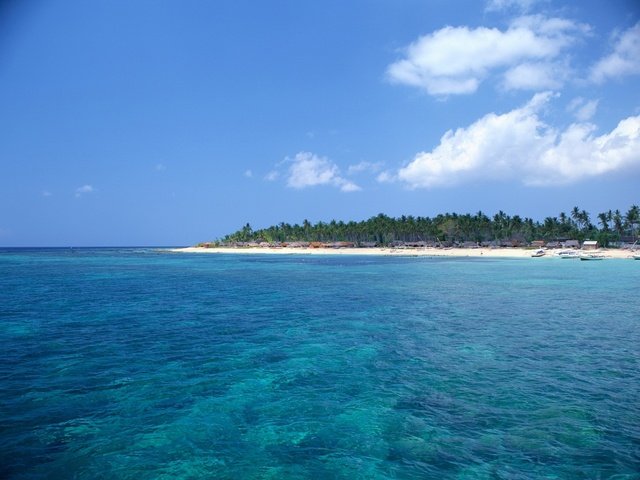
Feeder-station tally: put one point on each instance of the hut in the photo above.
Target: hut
(342, 244)
(590, 245)
(571, 244)
(420, 244)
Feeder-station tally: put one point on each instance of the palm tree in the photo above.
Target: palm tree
(575, 215)
(451, 227)
(618, 223)
(632, 220)
(586, 221)
(604, 220)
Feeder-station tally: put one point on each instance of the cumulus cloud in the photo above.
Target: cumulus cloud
(455, 60)
(624, 60)
(309, 170)
(84, 189)
(577, 153)
(518, 145)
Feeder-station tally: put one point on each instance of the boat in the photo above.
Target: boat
(592, 256)
(568, 254)
(538, 253)
(636, 257)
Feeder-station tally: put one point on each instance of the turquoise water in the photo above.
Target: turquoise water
(137, 364)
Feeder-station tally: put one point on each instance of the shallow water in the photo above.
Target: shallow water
(133, 363)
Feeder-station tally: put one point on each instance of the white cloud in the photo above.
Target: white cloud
(160, 167)
(518, 145)
(46, 193)
(308, 170)
(248, 173)
(624, 60)
(348, 186)
(455, 60)
(587, 111)
(582, 109)
(272, 176)
(535, 76)
(83, 190)
(364, 167)
(386, 177)
(578, 154)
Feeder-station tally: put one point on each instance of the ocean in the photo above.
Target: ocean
(144, 364)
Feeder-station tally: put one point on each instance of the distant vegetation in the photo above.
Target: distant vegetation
(608, 229)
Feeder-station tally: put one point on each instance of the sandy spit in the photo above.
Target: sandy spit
(398, 252)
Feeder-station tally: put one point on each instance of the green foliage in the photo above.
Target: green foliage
(451, 228)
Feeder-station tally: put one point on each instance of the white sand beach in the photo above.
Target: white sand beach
(401, 252)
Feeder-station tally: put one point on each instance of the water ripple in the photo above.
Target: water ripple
(132, 364)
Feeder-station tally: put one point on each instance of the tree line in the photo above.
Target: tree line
(450, 228)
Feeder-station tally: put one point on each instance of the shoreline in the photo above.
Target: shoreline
(401, 252)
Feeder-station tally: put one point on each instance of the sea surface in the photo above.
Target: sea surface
(144, 364)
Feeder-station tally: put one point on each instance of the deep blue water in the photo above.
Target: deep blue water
(137, 364)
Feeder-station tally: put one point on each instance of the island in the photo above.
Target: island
(615, 235)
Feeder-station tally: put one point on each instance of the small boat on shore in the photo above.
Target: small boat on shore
(636, 257)
(538, 253)
(568, 254)
(592, 256)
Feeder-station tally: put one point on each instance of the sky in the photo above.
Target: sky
(159, 122)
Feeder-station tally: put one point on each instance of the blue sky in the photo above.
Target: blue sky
(169, 123)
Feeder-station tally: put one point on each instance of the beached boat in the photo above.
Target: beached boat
(636, 257)
(538, 253)
(568, 254)
(592, 256)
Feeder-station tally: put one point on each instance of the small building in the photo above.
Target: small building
(298, 244)
(367, 244)
(490, 244)
(537, 243)
(571, 244)
(469, 245)
(419, 244)
(340, 245)
(590, 245)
